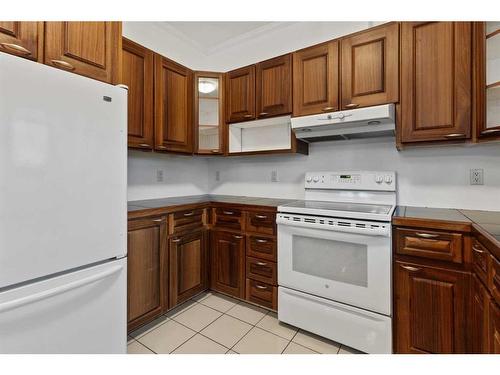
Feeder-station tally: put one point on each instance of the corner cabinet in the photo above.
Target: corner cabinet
(91, 49)
(316, 79)
(147, 270)
(228, 263)
(436, 81)
(173, 106)
(24, 39)
(138, 75)
(240, 94)
(369, 72)
(188, 260)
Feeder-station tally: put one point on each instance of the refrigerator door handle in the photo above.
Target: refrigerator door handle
(11, 305)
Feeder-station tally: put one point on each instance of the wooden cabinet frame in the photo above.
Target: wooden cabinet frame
(24, 39)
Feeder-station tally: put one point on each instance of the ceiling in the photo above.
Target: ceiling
(211, 37)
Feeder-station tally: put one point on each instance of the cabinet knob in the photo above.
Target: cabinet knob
(189, 213)
(160, 147)
(327, 109)
(248, 116)
(228, 212)
(16, 48)
(144, 145)
(427, 235)
(263, 114)
(176, 240)
(259, 240)
(352, 105)
(411, 269)
(455, 135)
(238, 237)
(261, 264)
(158, 220)
(63, 64)
(262, 217)
(260, 287)
(490, 131)
(479, 251)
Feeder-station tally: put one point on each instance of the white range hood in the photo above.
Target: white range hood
(355, 123)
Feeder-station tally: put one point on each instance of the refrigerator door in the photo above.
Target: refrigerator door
(63, 155)
(80, 312)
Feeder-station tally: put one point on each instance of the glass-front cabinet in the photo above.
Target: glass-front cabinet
(488, 75)
(209, 114)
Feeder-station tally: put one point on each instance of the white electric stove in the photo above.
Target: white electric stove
(334, 258)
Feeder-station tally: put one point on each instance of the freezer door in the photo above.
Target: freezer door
(63, 155)
(80, 312)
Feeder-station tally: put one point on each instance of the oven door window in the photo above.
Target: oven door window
(329, 259)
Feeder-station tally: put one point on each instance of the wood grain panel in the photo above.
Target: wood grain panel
(24, 39)
(494, 328)
(479, 318)
(240, 94)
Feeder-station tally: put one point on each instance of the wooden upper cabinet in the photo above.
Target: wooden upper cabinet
(91, 49)
(436, 79)
(316, 79)
(146, 276)
(188, 266)
(369, 72)
(173, 106)
(430, 309)
(240, 94)
(23, 39)
(137, 74)
(274, 86)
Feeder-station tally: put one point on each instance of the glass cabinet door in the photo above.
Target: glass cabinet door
(209, 114)
(492, 77)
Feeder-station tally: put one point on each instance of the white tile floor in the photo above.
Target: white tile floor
(212, 323)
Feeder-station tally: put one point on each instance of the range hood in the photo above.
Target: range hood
(366, 122)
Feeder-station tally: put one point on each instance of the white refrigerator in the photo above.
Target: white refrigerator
(63, 216)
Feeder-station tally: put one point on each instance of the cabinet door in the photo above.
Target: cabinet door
(430, 309)
(173, 106)
(91, 49)
(274, 87)
(479, 319)
(23, 39)
(240, 94)
(370, 67)
(188, 266)
(137, 74)
(228, 263)
(436, 73)
(494, 328)
(316, 79)
(146, 276)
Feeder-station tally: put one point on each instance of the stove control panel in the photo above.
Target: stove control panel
(352, 180)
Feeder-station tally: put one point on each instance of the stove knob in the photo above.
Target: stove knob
(379, 179)
(388, 179)
(316, 179)
(309, 179)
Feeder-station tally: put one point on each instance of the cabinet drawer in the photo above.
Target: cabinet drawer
(494, 283)
(430, 244)
(262, 294)
(228, 218)
(261, 270)
(261, 247)
(185, 220)
(261, 222)
(480, 261)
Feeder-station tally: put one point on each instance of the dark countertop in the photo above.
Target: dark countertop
(198, 199)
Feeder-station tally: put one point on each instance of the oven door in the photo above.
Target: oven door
(350, 268)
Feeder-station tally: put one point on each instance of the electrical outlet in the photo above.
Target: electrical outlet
(477, 176)
(159, 175)
(274, 176)
(217, 175)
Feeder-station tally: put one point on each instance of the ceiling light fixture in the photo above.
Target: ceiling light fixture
(206, 87)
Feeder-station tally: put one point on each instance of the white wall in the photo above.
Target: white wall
(435, 177)
(183, 175)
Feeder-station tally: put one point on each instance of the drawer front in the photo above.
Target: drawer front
(494, 283)
(262, 294)
(261, 222)
(261, 270)
(262, 247)
(229, 218)
(480, 261)
(186, 220)
(430, 244)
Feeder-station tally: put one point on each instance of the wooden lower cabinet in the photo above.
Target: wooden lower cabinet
(147, 270)
(228, 263)
(430, 309)
(188, 266)
(494, 328)
(479, 317)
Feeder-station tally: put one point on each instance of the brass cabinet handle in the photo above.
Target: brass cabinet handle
(63, 64)
(490, 131)
(411, 269)
(455, 135)
(161, 147)
(261, 216)
(263, 114)
(144, 145)
(427, 235)
(176, 240)
(479, 251)
(248, 116)
(158, 220)
(261, 287)
(189, 213)
(228, 212)
(352, 105)
(327, 109)
(261, 263)
(214, 151)
(16, 48)
(259, 240)
(238, 237)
